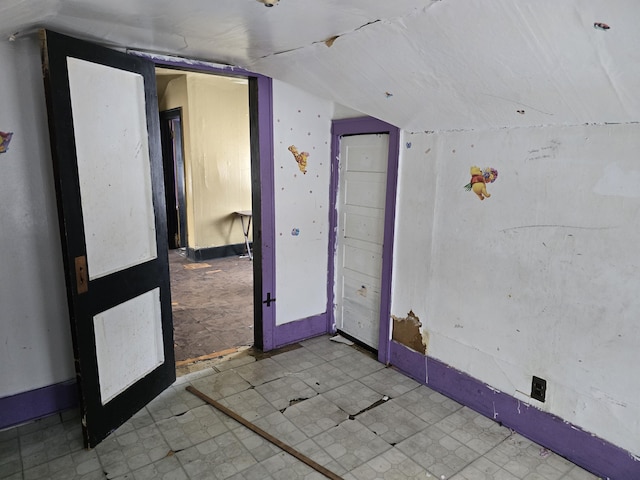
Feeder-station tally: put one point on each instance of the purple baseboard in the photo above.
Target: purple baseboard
(580, 447)
(300, 330)
(34, 404)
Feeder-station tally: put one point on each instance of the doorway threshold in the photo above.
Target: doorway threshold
(211, 360)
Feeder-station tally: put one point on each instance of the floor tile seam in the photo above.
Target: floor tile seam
(221, 417)
(171, 451)
(19, 455)
(21, 469)
(239, 440)
(103, 469)
(274, 358)
(505, 439)
(46, 460)
(348, 415)
(181, 463)
(478, 456)
(278, 452)
(193, 445)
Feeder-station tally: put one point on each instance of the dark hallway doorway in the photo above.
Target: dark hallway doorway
(212, 294)
(174, 186)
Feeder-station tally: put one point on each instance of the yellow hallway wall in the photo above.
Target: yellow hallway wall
(219, 159)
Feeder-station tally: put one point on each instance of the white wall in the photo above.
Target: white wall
(35, 340)
(301, 202)
(540, 279)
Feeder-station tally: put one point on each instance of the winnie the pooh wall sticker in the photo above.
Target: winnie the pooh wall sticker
(479, 180)
(301, 158)
(5, 138)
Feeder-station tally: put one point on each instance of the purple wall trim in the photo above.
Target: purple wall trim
(300, 330)
(359, 126)
(26, 406)
(409, 362)
(590, 452)
(266, 221)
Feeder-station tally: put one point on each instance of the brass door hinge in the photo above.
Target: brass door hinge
(82, 282)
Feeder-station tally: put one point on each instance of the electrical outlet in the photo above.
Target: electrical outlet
(538, 388)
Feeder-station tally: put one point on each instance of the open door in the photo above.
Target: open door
(105, 141)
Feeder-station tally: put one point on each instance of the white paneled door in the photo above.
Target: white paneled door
(361, 212)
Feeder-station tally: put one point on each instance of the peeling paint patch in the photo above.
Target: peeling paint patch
(329, 41)
(408, 331)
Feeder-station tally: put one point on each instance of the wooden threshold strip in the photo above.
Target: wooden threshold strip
(209, 356)
(267, 436)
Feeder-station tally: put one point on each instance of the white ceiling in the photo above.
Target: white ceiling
(419, 64)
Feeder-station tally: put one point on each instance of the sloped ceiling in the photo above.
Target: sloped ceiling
(419, 64)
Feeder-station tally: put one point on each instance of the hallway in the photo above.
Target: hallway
(325, 399)
(212, 304)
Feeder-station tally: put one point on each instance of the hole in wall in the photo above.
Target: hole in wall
(408, 331)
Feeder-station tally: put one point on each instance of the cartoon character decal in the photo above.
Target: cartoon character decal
(479, 180)
(301, 158)
(5, 138)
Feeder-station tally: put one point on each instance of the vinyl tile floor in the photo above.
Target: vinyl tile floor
(323, 398)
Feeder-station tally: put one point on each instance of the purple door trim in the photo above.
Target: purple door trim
(363, 126)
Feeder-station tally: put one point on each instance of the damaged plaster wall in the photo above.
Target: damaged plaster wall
(35, 347)
(301, 125)
(473, 64)
(409, 332)
(539, 279)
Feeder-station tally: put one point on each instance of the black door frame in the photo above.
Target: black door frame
(262, 193)
(174, 182)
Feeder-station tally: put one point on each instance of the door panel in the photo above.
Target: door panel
(128, 343)
(361, 216)
(105, 142)
(109, 127)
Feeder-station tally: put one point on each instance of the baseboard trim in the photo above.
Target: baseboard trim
(34, 404)
(299, 330)
(209, 253)
(598, 456)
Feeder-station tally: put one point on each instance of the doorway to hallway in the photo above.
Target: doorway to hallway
(207, 165)
(212, 306)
